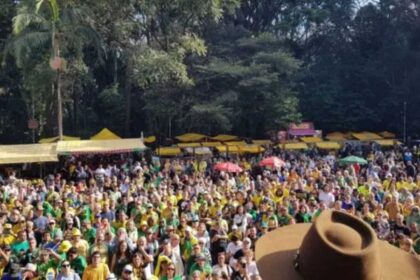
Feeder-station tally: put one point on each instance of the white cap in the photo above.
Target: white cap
(128, 267)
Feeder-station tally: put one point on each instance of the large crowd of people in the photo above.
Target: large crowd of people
(179, 218)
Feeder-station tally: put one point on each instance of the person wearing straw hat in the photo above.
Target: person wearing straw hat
(336, 246)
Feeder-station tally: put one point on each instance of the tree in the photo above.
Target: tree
(46, 34)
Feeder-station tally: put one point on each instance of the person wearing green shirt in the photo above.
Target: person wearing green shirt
(54, 230)
(48, 209)
(89, 233)
(45, 263)
(170, 273)
(21, 245)
(201, 265)
(77, 263)
(364, 189)
(283, 217)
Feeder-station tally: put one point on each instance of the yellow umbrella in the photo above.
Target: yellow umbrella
(311, 139)
(191, 137)
(366, 136)
(150, 139)
(211, 144)
(336, 136)
(328, 145)
(168, 151)
(224, 137)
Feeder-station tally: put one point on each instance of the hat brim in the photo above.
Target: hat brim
(275, 252)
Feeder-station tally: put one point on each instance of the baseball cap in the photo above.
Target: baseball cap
(201, 257)
(128, 268)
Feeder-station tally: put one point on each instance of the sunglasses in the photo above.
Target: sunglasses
(127, 271)
(66, 265)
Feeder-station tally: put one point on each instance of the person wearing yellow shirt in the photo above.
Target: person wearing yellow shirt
(278, 196)
(364, 190)
(367, 215)
(150, 214)
(80, 244)
(407, 206)
(97, 270)
(202, 166)
(178, 168)
(216, 207)
(169, 210)
(173, 199)
(256, 199)
(121, 221)
(386, 183)
(240, 197)
(7, 238)
(410, 184)
(400, 184)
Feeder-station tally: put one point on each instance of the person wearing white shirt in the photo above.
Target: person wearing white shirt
(326, 196)
(233, 246)
(240, 219)
(251, 266)
(221, 267)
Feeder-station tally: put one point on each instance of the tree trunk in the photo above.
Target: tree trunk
(59, 107)
(127, 93)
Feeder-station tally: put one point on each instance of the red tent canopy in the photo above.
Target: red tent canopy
(228, 167)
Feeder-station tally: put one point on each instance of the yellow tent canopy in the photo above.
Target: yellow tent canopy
(228, 149)
(55, 139)
(224, 137)
(311, 139)
(366, 136)
(150, 139)
(328, 145)
(251, 149)
(294, 146)
(168, 151)
(336, 136)
(100, 146)
(387, 135)
(28, 153)
(388, 142)
(105, 134)
(236, 143)
(262, 142)
(211, 144)
(186, 145)
(191, 137)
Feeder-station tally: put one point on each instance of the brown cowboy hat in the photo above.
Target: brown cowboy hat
(336, 246)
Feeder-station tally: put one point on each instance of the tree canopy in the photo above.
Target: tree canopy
(243, 67)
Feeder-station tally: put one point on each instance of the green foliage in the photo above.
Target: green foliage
(211, 66)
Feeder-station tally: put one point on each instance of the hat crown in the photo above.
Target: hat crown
(344, 242)
(344, 237)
